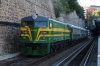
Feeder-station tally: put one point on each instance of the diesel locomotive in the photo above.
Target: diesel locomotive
(41, 35)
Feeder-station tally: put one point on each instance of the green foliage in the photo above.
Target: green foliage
(68, 6)
(57, 11)
(80, 12)
(72, 5)
(57, 8)
(65, 6)
(96, 14)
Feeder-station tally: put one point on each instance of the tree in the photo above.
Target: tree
(68, 6)
(96, 14)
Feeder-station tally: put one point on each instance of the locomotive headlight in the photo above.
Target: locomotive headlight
(25, 32)
(24, 37)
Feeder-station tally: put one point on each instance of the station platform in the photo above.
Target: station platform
(9, 56)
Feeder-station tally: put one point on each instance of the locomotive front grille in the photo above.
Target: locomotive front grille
(35, 46)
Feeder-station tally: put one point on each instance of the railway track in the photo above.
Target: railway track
(20, 61)
(11, 60)
(80, 57)
(32, 61)
(90, 58)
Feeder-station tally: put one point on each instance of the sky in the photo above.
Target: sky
(89, 2)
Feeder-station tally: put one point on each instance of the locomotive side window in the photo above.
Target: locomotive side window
(40, 24)
(50, 25)
(28, 24)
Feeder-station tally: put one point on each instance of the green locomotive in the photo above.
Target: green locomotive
(41, 35)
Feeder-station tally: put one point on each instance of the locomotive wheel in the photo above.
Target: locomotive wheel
(55, 48)
(51, 50)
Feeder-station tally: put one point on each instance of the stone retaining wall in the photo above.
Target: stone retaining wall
(9, 37)
(14, 10)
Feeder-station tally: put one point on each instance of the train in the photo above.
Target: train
(40, 35)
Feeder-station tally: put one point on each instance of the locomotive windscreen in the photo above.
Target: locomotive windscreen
(28, 23)
(40, 24)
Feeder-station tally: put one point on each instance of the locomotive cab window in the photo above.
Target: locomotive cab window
(28, 24)
(40, 24)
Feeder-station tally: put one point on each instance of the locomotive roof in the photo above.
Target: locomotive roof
(59, 21)
(39, 18)
(76, 27)
(72, 26)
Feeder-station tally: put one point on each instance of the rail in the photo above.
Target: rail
(66, 61)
